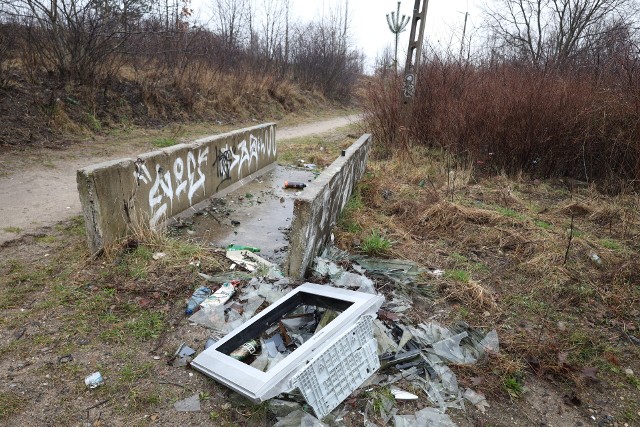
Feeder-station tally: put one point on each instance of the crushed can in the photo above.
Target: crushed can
(94, 380)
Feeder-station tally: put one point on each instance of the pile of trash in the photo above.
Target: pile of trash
(417, 354)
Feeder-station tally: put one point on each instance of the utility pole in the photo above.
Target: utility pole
(415, 49)
(464, 32)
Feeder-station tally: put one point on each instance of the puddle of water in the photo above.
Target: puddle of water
(262, 207)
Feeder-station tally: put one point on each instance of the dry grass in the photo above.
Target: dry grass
(502, 244)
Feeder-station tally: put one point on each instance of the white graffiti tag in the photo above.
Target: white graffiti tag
(188, 179)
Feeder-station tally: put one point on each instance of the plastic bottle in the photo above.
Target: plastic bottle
(595, 259)
(292, 184)
(199, 295)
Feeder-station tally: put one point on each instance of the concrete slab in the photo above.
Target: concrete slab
(122, 196)
(317, 210)
(263, 209)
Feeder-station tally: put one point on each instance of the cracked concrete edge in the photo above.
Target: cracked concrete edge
(107, 206)
(317, 209)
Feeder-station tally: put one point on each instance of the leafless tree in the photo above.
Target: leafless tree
(230, 19)
(555, 30)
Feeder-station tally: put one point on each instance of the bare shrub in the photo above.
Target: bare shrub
(513, 117)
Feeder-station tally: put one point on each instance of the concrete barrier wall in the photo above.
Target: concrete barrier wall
(120, 195)
(317, 209)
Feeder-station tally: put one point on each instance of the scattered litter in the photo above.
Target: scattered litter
(182, 356)
(384, 408)
(158, 255)
(212, 317)
(228, 276)
(427, 417)
(292, 184)
(248, 260)
(354, 355)
(219, 297)
(372, 351)
(184, 350)
(595, 259)
(324, 267)
(198, 296)
(355, 281)
(275, 345)
(282, 408)
(234, 247)
(250, 348)
(235, 223)
(296, 336)
(94, 380)
(299, 419)
(402, 395)
(310, 166)
(403, 273)
(190, 404)
(477, 399)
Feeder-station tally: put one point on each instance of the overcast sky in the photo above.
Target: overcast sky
(369, 31)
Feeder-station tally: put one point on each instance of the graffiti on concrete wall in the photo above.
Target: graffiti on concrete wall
(183, 179)
(186, 180)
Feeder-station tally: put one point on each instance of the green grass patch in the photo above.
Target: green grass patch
(542, 224)
(74, 227)
(513, 386)
(509, 213)
(634, 381)
(15, 230)
(611, 244)
(114, 335)
(132, 372)
(457, 275)
(164, 142)
(149, 325)
(587, 350)
(46, 239)
(140, 399)
(11, 404)
(375, 244)
(346, 221)
(93, 122)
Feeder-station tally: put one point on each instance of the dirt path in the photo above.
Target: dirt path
(39, 189)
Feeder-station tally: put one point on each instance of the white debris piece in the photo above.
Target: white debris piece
(399, 394)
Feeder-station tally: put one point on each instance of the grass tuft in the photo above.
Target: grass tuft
(375, 244)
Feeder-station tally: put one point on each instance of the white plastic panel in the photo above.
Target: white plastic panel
(337, 371)
(259, 386)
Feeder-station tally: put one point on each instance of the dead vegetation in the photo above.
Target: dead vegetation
(74, 68)
(501, 243)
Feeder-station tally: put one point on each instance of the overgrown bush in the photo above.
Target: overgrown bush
(513, 117)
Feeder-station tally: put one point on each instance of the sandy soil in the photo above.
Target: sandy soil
(38, 188)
